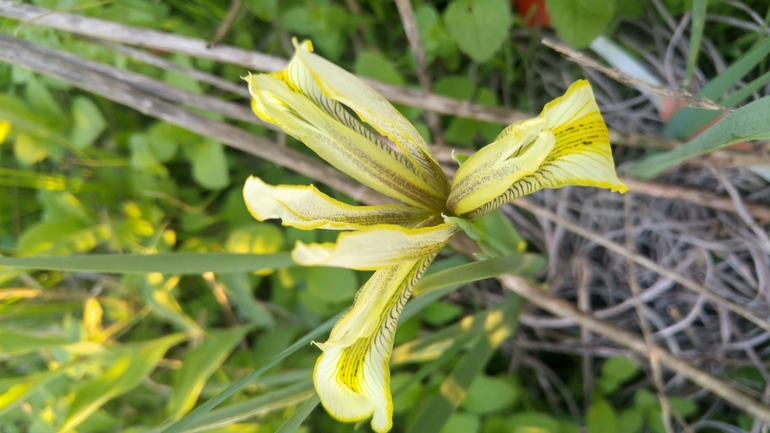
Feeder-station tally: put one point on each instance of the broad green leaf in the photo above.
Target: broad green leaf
(375, 65)
(578, 22)
(455, 387)
(264, 9)
(210, 165)
(601, 418)
(59, 237)
(127, 372)
(460, 422)
(168, 263)
(440, 313)
(490, 394)
(684, 406)
(88, 122)
(528, 422)
(332, 284)
(456, 87)
(297, 418)
(198, 365)
(43, 101)
(27, 150)
(619, 368)
(479, 27)
(632, 420)
(747, 123)
(14, 342)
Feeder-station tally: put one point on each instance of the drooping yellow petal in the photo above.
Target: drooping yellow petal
(343, 87)
(306, 208)
(352, 377)
(581, 154)
(493, 169)
(375, 247)
(341, 146)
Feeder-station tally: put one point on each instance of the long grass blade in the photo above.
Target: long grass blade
(747, 123)
(166, 263)
(696, 36)
(297, 418)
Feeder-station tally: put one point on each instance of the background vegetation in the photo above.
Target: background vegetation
(126, 345)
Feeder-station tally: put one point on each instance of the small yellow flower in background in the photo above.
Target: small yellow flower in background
(568, 144)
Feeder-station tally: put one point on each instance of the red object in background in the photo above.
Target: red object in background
(538, 18)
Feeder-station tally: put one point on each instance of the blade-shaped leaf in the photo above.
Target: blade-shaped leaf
(127, 372)
(15, 342)
(166, 263)
(747, 123)
(198, 365)
(296, 419)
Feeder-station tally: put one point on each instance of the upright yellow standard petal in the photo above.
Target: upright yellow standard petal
(306, 208)
(342, 147)
(345, 88)
(581, 154)
(352, 375)
(5, 128)
(375, 247)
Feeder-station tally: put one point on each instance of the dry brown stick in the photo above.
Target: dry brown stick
(657, 377)
(616, 74)
(44, 60)
(49, 62)
(171, 66)
(221, 32)
(251, 60)
(564, 309)
(262, 62)
(642, 260)
(695, 196)
(413, 35)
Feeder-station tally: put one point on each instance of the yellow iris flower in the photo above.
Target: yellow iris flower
(313, 100)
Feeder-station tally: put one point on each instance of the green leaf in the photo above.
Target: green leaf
(684, 406)
(27, 150)
(619, 369)
(696, 35)
(20, 392)
(524, 264)
(156, 293)
(454, 388)
(747, 123)
(460, 422)
(601, 418)
(16, 342)
(210, 165)
(374, 65)
(632, 420)
(167, 263)
(528, 422)
(127, 372)
(456, 87)
(332, 284)
(689, 120)
(578, 22)
(88, 122)
(41, 98)
(490, 394)
(297, 418)
(238, 290)
(165, 138)
(264, 9)
(198, 365)
(479, 27)
(441, 313)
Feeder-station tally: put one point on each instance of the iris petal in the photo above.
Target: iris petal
(306, 208)
(342, 147)
(352, 375)
(375, 247)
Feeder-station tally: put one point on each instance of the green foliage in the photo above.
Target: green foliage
(580, 21)
(479, 27)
